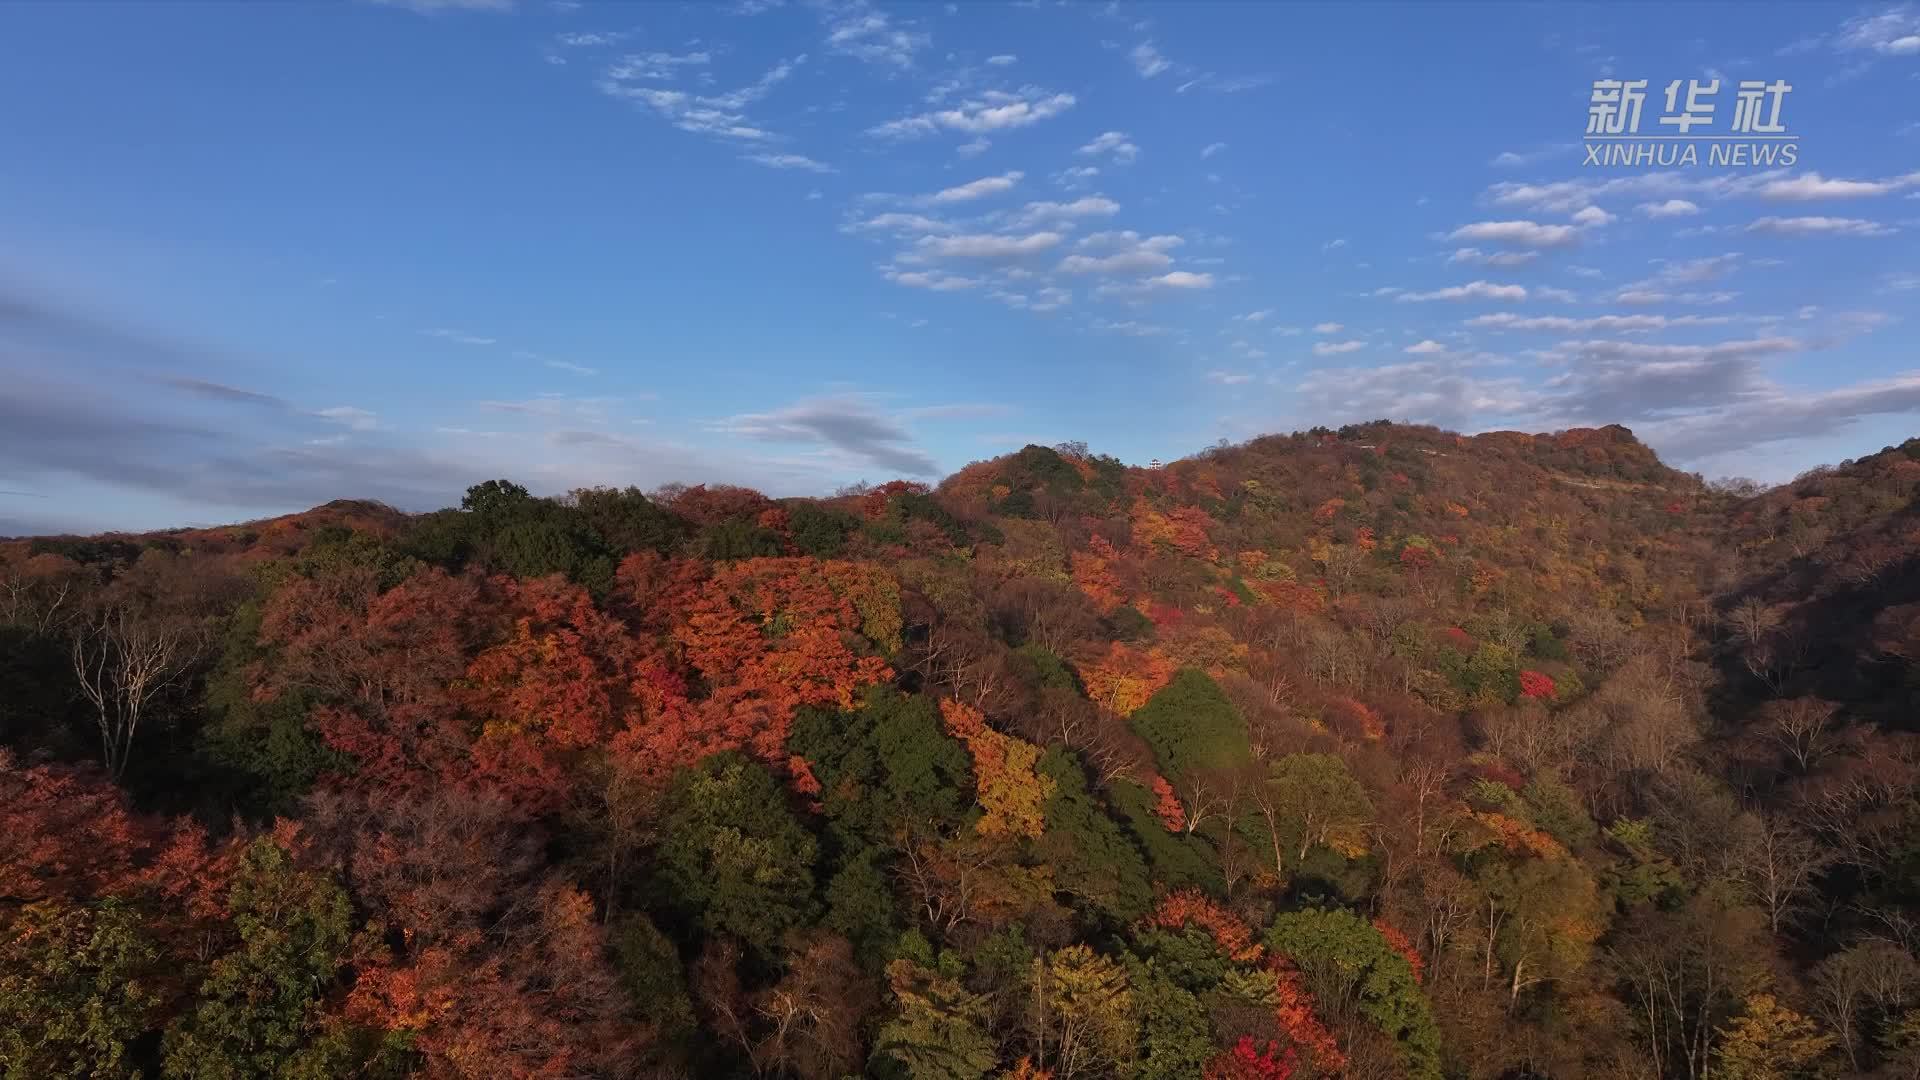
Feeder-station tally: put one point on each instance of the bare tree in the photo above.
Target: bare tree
(1850, 984)
(123, 660)
(1778, 865)
(1804, 729)
(37, 597)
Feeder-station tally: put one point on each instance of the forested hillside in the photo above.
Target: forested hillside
(1383, 752)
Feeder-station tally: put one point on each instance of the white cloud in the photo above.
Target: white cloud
(1115, 143)
(1328, 328)
(350, 416)
(1521, 233)
(994, 110)
(790, 161)
(1564, 324)
(1569, 196)
(1077, 177)
(1706, 268)
(977, 189)
(1674, 354)
(656, 66)
(1668, 209)
(987, 245)
(1089, 206)
(1046, 299)
(1811, 185)
(1335, 348)
(899, 223)
(1229, 378)
(590, 40)
(932, 280)
(1492, 258)
(1148, 61)
(1003, 60)
(864, 33)
(1255, 316)
(1181, 279)
(1893, 32)
(1148, 255)
(715, 114)
(1211, 149)
(1820, 226)
(1634, 295)
(1473, 290)
(1592, 216)
(1334, 244)
(972, 148)
(1129, 327)
(575, 369)
(1438, 391)
(1512, 158)
(1425, 347)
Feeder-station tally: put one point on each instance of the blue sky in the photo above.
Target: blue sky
(257, 256)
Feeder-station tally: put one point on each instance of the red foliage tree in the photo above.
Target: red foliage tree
(766, 636)
(558, 684)
(1246, 1061)
(381, 664)
(1230, 932)
(1537, 685)
(1167, 806)
(1293, 1010)
(1400, 943)
(64, 834)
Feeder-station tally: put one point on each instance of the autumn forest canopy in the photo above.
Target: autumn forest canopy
(1369, 753)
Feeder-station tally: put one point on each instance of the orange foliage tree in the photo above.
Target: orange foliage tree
(1010, 791)
(766, 636)
(1124, 678)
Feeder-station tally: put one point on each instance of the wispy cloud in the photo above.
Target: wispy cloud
(1811, 186)
(1475, 257)
(976, 189)
(1112, 143)
(721, 115)
(987, 245)
(848, 424)
(1671, 208)
(441, 7)
(459, 337)
(1820, 226)
(790, 161)
(1090, 206)
(1473, 290)
(1148, 61)
(1520, 233)
(1121, 253)
(860, 30)
(1517, 158)
(993, 110)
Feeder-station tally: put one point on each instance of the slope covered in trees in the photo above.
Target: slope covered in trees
(1376, 752)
